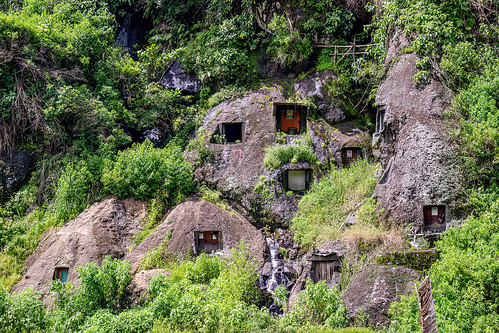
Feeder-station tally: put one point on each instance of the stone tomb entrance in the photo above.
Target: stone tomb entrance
(61, 274)
(434, 218)
(291, 118)
(208, 241)
(350, 154)
(297, 180)
(228, 133)
(380, 120)
(326, 268)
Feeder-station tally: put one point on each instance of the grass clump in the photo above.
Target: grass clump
(323, 210)
(301, 149)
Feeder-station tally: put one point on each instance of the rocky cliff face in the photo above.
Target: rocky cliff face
(105, 228)
(182, 227)
(374, 288)
(420, 160)
(14, 170)
(234, 168)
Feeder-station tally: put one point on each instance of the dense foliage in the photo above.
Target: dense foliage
(279, 154)
(143, 172)
(68, 92)
(208, 294)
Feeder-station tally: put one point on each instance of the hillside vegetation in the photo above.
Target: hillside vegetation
(69, 93)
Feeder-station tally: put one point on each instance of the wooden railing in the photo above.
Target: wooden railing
(343, 51)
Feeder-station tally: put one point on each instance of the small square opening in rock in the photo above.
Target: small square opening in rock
(228, 133)
(297, 180)
(350, 154)
(61, 274)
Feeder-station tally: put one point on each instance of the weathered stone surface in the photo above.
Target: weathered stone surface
(313, 86)
(200, 215)
(234, 169)
(154, 135)
(420, 160)
(135, 291)
(177, 78)
(330, 139)
(105, 228)
(14, 169)
(375, 288)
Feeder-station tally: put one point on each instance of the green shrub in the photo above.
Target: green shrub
(143, 171)
(301, 149)
(479, 135)
(203, 270)
(223, 54)
(317, 305)
(78, 118)
(129, 321)
(22, 312)
(103, 287)
(460, 63)
(77, 187)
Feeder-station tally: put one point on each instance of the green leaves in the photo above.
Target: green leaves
(22, 312)
(103, 287)
(143, 172)
(223, 54)
(287, 47)
(301, 149)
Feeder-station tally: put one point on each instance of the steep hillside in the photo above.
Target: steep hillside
(248, 166)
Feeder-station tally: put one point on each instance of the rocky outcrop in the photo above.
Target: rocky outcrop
(182, 226)
(14, 170)
(105, 228)
(420, 160)
(176, 78)
(314, 87)
(330, 140)
(235, 168)
(135, 292)
(375, 288)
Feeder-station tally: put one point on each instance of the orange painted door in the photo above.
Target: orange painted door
(288, 122)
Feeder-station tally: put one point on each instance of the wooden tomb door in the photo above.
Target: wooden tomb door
(349, 155)
(323, 270)
(208, 241)
(434, 217)
(290, 121)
